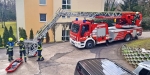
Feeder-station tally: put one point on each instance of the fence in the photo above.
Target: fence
(134, 55)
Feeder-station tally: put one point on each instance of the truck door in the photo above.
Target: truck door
(84, 30)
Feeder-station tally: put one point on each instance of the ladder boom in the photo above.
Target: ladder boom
(62, 12)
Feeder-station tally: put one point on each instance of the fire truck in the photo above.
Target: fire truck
(86, 33)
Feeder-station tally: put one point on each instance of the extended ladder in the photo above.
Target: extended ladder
(32, 44)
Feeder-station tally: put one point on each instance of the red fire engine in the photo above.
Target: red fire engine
(86, 33)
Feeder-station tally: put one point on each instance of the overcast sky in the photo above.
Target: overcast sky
(119, 1)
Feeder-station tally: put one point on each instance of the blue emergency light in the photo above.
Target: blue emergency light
(76, 19)
(84, 21)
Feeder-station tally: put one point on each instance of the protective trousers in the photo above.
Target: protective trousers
(40, 58)
(23, 52)
(10, 54)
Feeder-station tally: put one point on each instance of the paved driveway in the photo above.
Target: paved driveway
(61, 59)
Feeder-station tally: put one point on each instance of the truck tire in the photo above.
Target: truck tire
(89, 44)
(128, 37)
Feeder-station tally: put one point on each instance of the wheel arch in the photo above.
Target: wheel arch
(90, 43)
(90, 39)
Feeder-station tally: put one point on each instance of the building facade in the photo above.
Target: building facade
(33, 14)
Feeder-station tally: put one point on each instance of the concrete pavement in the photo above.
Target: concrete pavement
(60, 59)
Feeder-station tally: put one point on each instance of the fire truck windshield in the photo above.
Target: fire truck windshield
(75, 28)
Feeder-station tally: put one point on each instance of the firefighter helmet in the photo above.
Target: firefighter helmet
(10, 39)
(21, 39)
(137, 12)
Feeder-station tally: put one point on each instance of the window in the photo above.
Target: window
(42, 2)
(81, 71)
(65, 35)
(42, 17)
(85, 28)
(75, 28)
(66, 4)
(144, 72)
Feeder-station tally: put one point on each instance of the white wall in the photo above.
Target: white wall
(80, 5)
(88, 5)
(20, 16)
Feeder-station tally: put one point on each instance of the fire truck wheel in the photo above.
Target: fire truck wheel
(128, 37)
(89, 44)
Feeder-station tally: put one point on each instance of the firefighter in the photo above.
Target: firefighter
(136, 16)
(22, 49)
(40, 57)
(9, 46)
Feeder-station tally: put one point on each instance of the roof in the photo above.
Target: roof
(103, 66)
(145, 64)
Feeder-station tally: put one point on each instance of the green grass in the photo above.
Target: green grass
(141, 43)
(8, 24)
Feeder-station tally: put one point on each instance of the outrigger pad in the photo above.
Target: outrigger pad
(14, 65)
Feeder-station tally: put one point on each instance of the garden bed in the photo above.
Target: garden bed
(141, 43)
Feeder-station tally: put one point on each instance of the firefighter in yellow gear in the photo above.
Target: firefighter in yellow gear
(9, 47)
(40, 57)
(22, 49)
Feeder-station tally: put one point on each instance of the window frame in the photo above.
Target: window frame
(66, 35)
(66, 7)
(45, 16)
(66, 4)
(43, 4)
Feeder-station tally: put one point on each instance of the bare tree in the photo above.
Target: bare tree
(2, 12)
(110, 5)
(7, 11)
(54, 30)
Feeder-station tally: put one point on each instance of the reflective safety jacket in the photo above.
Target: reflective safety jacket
(39, 46)
(21, 46)
(9, 46)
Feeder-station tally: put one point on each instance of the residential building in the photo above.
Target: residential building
(35, 13)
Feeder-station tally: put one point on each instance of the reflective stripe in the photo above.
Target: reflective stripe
(39, 49)
(22, 49)
(9, 49)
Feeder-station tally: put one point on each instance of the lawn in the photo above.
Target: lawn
(142, 43)
(8, 24)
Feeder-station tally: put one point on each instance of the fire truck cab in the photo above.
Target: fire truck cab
(86, 33)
